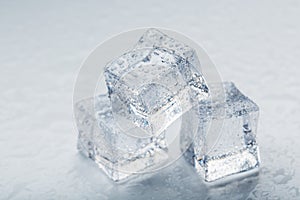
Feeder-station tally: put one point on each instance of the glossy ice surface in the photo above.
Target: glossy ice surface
(154, 38)
(117, 153)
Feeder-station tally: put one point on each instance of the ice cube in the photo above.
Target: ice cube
(233, 117)
(118, 154)
(151, 86)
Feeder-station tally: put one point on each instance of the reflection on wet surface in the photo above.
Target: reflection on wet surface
(180, 181)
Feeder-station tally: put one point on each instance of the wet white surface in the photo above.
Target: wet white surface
(254, 44)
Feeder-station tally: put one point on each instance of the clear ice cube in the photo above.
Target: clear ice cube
(117, 153)
(234, 118)
(151, 86)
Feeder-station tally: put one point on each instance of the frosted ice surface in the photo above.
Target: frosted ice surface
(151, 86)
(236, 149)
(118, 154)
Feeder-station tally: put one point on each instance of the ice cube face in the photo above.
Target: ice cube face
(154, 38)
(154, 84)
(236, 149)
(118, 154)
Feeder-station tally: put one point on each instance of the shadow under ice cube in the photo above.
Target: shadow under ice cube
(154, 84)
(225, 143)
(117, 153)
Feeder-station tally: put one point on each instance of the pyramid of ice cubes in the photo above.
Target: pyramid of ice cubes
(151, 86)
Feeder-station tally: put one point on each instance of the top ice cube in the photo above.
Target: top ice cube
(154, 84)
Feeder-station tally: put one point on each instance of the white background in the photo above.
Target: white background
(256, 44)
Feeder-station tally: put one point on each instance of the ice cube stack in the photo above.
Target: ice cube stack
(150, 87)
